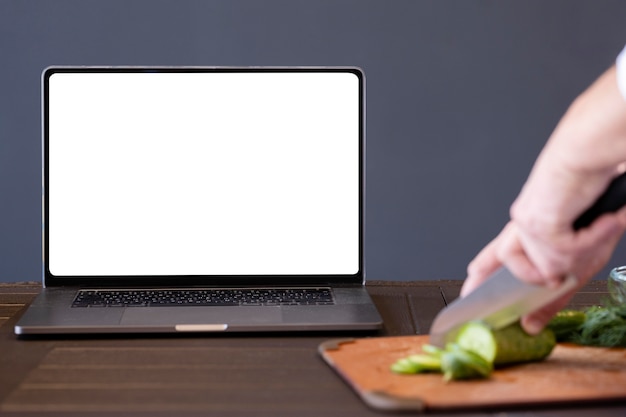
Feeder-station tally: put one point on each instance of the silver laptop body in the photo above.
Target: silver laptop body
(197, 180)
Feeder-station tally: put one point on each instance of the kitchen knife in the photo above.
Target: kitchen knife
(502, 299)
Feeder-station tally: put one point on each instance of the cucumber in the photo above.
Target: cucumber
(417, 363)
(458, 363)
(566, 324)
(505, 346)
(429, 361)
(477, 349)
(404, 366)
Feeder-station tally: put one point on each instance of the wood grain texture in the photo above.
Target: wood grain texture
(14, 297)
(406, 309)
(230, 375)
(571, 374)
(127, 378)
(593, 293)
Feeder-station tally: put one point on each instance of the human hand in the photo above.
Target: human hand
(539, 244)
(583, 254)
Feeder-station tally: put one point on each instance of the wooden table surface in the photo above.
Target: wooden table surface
(225, 375)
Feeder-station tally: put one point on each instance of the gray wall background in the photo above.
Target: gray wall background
(461, 96)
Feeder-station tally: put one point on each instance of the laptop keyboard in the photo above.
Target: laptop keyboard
(203, 297)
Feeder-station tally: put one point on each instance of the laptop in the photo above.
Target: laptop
(194, 199)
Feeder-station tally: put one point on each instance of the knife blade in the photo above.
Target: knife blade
(503, 298)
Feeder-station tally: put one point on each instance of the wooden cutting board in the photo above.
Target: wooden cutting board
(570, 374)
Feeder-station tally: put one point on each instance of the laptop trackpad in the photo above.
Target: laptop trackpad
(200, 315)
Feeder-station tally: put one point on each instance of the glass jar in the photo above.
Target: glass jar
(617, 284)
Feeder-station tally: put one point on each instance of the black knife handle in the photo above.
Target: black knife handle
(612, 200)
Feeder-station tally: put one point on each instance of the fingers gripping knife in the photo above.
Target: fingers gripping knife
(502, 299)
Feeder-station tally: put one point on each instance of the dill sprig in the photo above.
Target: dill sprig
(603, 326)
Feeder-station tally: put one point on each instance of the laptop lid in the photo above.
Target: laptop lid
(202, 176)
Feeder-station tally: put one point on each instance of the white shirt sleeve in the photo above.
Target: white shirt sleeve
(620, 64)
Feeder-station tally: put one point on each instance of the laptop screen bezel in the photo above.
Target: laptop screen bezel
(51, 280)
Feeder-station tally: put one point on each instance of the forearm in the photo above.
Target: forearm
(579, 160)
(591, 137)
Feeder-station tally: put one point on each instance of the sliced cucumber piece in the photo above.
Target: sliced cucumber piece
(432, 350)
(404, 366)
(417, 363)
(458, 363)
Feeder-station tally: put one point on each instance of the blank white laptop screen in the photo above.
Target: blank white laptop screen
(203, 173)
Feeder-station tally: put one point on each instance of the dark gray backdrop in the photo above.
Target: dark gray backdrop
(461, 96)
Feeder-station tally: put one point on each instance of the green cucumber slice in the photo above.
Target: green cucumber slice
(417, 363)
(458, 363)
